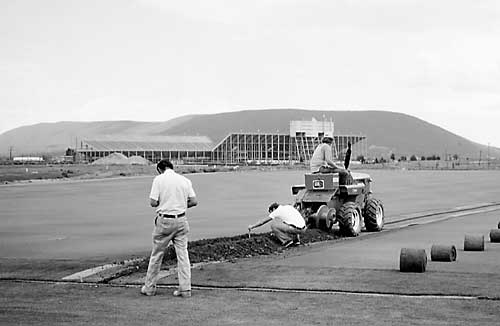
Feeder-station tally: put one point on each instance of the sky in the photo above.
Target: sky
(154, 60)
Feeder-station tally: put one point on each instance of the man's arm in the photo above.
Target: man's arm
(259, 223)
(327, 151)
(154, 195)
(192, 202)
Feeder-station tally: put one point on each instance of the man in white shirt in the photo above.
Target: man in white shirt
(322, 160)
(171, 194)
(287, 223)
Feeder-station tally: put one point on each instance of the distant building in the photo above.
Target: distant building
(64, 159)
(236, 148)
(27, 159)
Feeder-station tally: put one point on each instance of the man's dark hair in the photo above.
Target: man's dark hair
(163, 165)
(272, 207)
(327, 140)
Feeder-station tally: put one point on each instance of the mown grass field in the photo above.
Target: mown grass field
(95, 218)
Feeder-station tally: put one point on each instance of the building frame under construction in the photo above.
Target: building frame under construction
(235, 149)
(268, 148)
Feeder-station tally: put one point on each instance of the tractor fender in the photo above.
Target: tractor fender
(297, 188)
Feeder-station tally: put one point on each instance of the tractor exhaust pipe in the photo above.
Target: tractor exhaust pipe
(347, 159)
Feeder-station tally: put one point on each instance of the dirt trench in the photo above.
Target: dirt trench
(240, 246)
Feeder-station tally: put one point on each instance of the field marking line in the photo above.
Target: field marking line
(469, 210)
(358, 293)
(485, 210)
(395, 225)
(275, 290)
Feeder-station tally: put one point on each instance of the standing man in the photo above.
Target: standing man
(322, 160)
(172, 194)
(287, 224)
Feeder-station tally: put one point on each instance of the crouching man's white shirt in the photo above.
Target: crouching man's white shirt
(288, 214)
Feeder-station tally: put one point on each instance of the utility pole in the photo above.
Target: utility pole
(10, 153)
(488, 155)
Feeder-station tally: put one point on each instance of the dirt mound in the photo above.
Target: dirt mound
(138, 160)
(240, 246)
(113, 158)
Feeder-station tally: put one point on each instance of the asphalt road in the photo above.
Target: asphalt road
(110, 218)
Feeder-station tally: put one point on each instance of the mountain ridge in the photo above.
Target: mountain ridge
(387, 132)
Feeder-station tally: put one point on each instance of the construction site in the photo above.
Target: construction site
(238, 148)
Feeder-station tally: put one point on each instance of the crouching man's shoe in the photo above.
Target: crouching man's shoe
(182, 294)
(148, 291)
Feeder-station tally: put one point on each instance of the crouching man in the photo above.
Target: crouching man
(288, 224)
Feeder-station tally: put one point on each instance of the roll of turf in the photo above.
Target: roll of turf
(495, 235)
(443, 253)
(474, 242)
(499, 225)
(412, 260)
(321, 217)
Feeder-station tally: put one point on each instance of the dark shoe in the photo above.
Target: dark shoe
(287, 244)
(148, 291)
(183, 294)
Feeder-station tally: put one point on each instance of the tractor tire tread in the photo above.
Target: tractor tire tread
(370, 215)
(344, 216)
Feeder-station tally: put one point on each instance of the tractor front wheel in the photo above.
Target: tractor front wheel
(374, 215)
(349, 219)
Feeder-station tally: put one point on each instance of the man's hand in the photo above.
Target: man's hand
(191, 202)
(153, 202)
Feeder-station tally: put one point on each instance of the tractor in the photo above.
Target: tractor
(324, 201)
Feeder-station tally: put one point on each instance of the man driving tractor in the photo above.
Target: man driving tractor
(322, 160)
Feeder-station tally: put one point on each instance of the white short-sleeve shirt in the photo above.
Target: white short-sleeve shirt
(172, 191)
(289, 215)
(321, 155)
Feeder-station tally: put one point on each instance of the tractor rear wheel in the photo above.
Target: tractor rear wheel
(349, 219)
(374, 215)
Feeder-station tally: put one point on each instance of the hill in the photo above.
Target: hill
(387, 132)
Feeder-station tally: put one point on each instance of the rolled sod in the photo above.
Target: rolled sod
(443, 253)
(474, 242)
(320, 218)
(412, 260)
(495, 235)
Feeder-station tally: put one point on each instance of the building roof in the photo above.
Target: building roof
(154, 143)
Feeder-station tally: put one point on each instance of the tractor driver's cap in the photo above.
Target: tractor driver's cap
(328, 136)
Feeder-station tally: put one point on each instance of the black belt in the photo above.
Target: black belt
(172, 216)
(296, 227)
